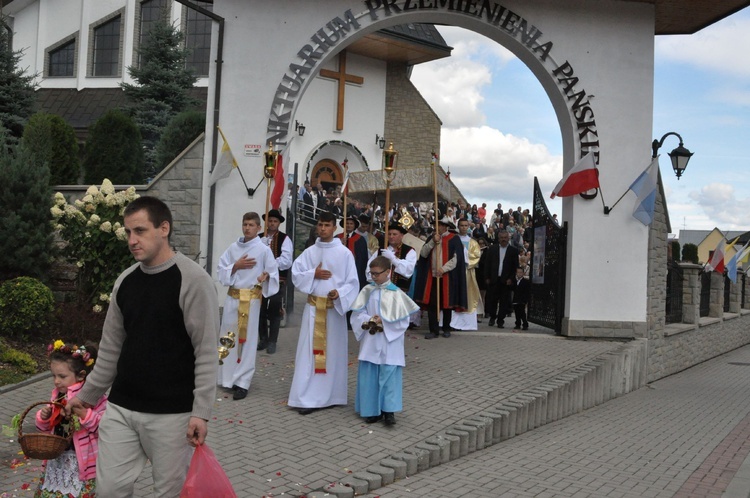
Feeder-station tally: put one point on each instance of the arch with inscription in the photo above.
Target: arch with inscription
(570, 101)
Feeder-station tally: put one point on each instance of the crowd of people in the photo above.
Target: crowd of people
(136, 401)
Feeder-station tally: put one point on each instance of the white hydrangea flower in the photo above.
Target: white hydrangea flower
(88, 198)
(121, 234)
(92, 190)
(130, 194)
(90, 208)
(98, 308)
(95, 218)
(107, 187)
(106, 227)
(78, 203)
(60, 199)
(104, 297)
(111, 200)
(58, 227)
(79, 264)
(56, 211)
(88, 235)
(116, 226)
(70, 211)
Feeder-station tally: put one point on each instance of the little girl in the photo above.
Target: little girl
(72, 474)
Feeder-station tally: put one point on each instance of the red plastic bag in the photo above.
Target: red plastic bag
(206, 478)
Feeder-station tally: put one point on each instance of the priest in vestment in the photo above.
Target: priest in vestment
(249, 269)
(327, 274)
(441, 262)
(467, 320)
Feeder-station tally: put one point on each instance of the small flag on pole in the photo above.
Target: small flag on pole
(645, 188)
(581, 177)
(225, 164)
(279, 184)
(732, 265)
(717, 260)
(345, 185)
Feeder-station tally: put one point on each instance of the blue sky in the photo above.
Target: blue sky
(496, 115)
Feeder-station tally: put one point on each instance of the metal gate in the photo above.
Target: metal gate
(548, 247)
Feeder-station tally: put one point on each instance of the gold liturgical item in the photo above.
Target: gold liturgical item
(373, 326)
(227, 343)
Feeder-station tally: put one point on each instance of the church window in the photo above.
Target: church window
(61, 58)
(107, 48)
(198, 39)
(150, 12)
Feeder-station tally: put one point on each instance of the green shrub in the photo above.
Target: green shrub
(54, 142)
(675, 250)
(690, 253)
(23, 361)
(25, 305)
(179, 133)
(114, 150)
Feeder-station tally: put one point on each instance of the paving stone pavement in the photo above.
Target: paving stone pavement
(268, 449)
(683, 436)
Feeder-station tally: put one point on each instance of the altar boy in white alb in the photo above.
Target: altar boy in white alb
(327, 274)
(379, 320)
(250, 270)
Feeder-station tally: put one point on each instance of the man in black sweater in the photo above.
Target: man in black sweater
(158, 355)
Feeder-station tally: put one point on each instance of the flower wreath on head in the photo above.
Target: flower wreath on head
(74, 350)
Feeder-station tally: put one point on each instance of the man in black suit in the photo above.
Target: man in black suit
(502, 262)
(308, 205)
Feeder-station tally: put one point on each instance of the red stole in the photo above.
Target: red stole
(351, 240)
(445, 281)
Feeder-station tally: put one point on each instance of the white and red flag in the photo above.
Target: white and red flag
(581, 177)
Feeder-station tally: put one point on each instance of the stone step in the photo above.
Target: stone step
(585, 386)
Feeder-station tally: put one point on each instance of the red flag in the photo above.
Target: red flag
(717, 260)
(582, 177)
(278, 184)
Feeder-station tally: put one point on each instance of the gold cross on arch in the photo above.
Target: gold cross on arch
(342, 78)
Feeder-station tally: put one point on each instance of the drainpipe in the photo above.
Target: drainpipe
(217, 99)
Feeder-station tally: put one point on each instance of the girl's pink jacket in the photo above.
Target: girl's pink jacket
(85, 440)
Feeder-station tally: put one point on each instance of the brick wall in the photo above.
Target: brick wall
(410, 118)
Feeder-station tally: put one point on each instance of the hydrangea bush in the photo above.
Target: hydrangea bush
(95, 239)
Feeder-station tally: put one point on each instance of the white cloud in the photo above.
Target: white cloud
(717, 48)
(453, 89)
(489, 166)
(719, 203)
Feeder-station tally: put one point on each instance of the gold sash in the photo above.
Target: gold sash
(322, 304)
(243, 310)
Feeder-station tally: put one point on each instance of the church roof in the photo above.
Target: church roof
(81, 108)
(412, 43)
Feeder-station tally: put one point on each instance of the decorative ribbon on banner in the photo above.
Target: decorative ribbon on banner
(322, 305)
(243, 311)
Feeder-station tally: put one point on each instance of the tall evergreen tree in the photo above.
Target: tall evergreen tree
(25, 201)
(161, 92)
(17, 96)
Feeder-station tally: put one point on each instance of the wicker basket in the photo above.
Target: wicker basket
(39, 444)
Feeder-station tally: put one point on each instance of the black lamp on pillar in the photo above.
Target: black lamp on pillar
(679, 156)
(299, 127)
(380, 141)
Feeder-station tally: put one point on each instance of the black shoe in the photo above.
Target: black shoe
(390, 418)
(446, 334)
(500, 325)
(261, 346)
(518, 326)
(431, 335)
(525, 327)
(372, 420)
(271, 348)
(239, 393)
(306, 411)
(492, 322)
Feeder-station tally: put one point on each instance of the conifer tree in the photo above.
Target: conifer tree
(17, 96)
(114, 150)
(25, 201)
(161, 92)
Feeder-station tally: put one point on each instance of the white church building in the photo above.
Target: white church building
(339, 68)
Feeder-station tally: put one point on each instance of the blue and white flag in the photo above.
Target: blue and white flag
(645, 188)
(732, 265)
